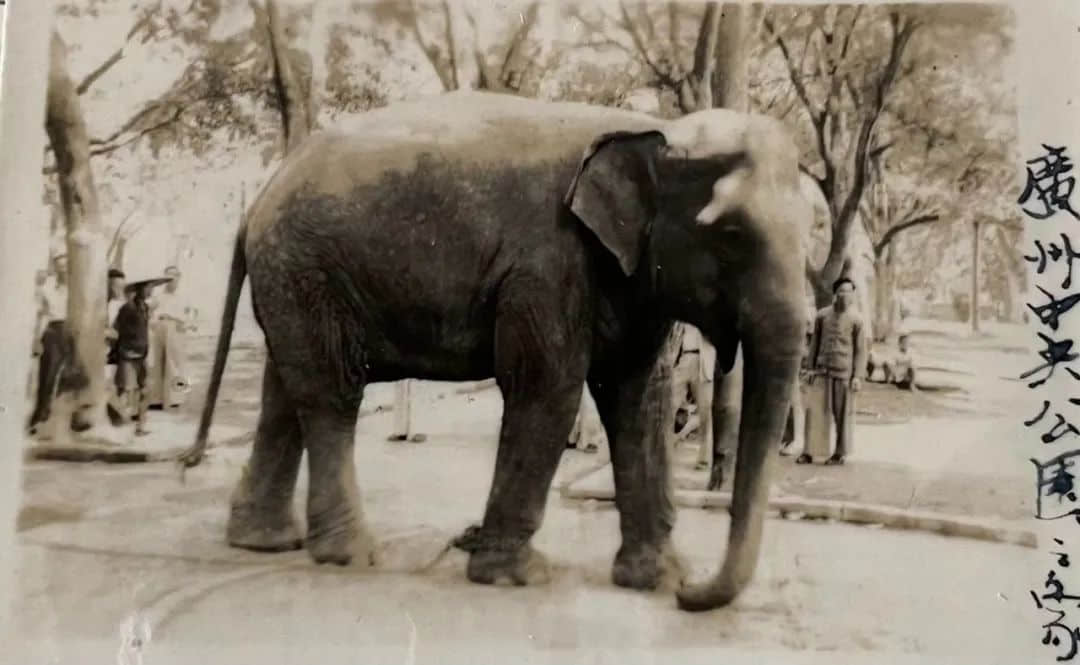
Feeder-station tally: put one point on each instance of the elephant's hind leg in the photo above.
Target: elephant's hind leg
(260, 515)
(336, 530)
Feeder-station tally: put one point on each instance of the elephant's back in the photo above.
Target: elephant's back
(485, 127)
(463, 132)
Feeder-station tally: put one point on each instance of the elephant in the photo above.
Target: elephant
(480, 235)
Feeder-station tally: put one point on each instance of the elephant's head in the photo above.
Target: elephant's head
(710, 205)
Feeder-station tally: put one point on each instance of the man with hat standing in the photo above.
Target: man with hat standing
(838, 357)
(133, 346)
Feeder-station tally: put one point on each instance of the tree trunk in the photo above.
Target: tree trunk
(729, 88)
(294, 100)
(86, 241)
(886, 309)
(976, 259)
(117, 259)
(731, 78)
(696, 91)
(1014, 290)
(23, 242)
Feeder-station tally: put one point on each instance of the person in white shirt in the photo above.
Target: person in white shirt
(693, 374)
(170, 321)
(56, 346)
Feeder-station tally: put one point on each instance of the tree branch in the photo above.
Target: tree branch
(451, 45)
(796, 78)
(517, 42)
(104, 67)
(893, 231)
(430, 49)
(880, 150)
(628, 25)
(805, 169)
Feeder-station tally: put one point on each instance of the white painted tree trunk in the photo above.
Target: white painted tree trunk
(86, 240)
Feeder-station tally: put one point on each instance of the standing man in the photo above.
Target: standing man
(114, 301)
(693, 373)
(838, 357)
(58, 371)
(170, 322)
(132, 347)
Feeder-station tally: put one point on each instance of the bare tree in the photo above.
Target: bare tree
(842, 88)
(70, 143)
(449, 36)
(710, 74)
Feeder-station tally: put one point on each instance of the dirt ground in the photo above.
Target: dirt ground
(100, 544)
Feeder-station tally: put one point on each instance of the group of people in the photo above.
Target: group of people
(145, 339)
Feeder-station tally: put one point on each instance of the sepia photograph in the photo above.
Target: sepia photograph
(506, 331)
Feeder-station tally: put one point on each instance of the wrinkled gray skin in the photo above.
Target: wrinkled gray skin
(466, 237)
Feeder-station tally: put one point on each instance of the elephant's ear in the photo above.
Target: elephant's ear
(614, 192)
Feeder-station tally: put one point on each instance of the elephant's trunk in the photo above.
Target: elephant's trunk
(770, 367)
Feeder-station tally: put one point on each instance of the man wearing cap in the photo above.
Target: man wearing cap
(132, 347)
(838, 357)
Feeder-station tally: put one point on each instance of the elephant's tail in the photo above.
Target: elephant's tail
(237, 273)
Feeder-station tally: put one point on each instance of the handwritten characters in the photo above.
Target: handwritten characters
(1056, 252)
(1057, 633)
(1048, 191)
(1055, 353)
(1048, 184)
(1059, 428)
(1055, 481)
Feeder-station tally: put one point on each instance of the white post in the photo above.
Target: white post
(24, 228)
(402, 407)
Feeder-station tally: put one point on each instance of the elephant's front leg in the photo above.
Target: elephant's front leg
(533, 435)
(541, 386)
(636, 411)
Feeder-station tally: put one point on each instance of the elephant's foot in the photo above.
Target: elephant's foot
(493, 562)
(523, 567)
(648, 567)
(262, 531)
(341, 543)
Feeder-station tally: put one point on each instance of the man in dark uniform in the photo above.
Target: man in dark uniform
(132, 347)
(838, 356)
